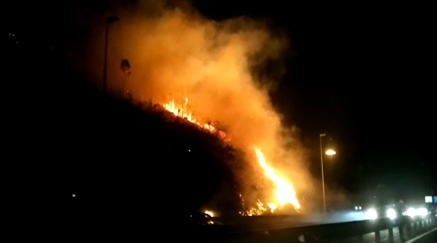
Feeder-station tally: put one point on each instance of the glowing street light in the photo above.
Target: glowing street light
(329, 152)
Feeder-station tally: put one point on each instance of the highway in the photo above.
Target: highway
(289, 229)
(429, 237)
(261, 223)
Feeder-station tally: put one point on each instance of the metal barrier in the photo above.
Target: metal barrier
(347, 232)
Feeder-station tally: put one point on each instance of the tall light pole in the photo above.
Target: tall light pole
(105, 64)
(329, 152)
(323, 175)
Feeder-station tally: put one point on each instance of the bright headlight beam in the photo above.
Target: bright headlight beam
(371, 214)
(422, 212)
(411, 212)
(391, 213)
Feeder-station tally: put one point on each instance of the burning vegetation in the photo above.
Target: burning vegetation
(206, 73)
(284, 191)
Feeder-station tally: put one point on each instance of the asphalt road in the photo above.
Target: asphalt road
(259, 223)
(368, 238)
(428, 237)
(271, 235)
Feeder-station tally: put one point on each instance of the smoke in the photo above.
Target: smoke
(174, 52)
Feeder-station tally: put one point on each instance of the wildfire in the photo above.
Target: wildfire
(285, 192)
(209, 212)
(259, 209)
(181, 111)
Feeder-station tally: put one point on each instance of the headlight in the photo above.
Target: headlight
(371, 214)
(391, 213)
(411, 212)
(422, 212)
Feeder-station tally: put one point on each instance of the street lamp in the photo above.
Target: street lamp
(329, 152)
(108, 21)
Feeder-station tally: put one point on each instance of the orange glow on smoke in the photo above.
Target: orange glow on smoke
(212, 74)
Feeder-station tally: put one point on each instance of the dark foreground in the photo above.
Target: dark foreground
(429, 238)
(168, 230)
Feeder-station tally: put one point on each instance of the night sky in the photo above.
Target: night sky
(362, 74)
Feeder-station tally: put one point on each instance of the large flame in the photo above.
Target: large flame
(285, 192)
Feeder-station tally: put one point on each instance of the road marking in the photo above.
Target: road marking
(420, 236)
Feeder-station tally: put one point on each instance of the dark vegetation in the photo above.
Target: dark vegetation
(129, 164)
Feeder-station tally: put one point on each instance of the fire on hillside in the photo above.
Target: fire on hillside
(284, 192)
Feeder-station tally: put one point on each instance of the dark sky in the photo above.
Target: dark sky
(363, 74)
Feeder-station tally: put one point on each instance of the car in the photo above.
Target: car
(386, 211)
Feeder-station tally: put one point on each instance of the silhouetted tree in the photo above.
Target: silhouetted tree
(125, 67)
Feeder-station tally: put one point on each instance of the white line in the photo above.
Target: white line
(420, 236)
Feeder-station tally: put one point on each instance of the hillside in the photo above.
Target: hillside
(123, 160)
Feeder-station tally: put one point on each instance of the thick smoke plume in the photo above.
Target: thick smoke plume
(174, 53)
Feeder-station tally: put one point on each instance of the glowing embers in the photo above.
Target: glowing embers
(182, 112)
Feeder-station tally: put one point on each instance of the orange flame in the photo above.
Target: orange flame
(285, 192)
(181, 111)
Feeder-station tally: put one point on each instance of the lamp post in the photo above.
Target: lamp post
(329, 152)
(108, 21)
(323, 176)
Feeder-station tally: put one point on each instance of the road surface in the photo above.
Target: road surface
(415, 237)
(264, 235)
(428, 237)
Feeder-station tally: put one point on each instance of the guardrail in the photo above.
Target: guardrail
(347, 232)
